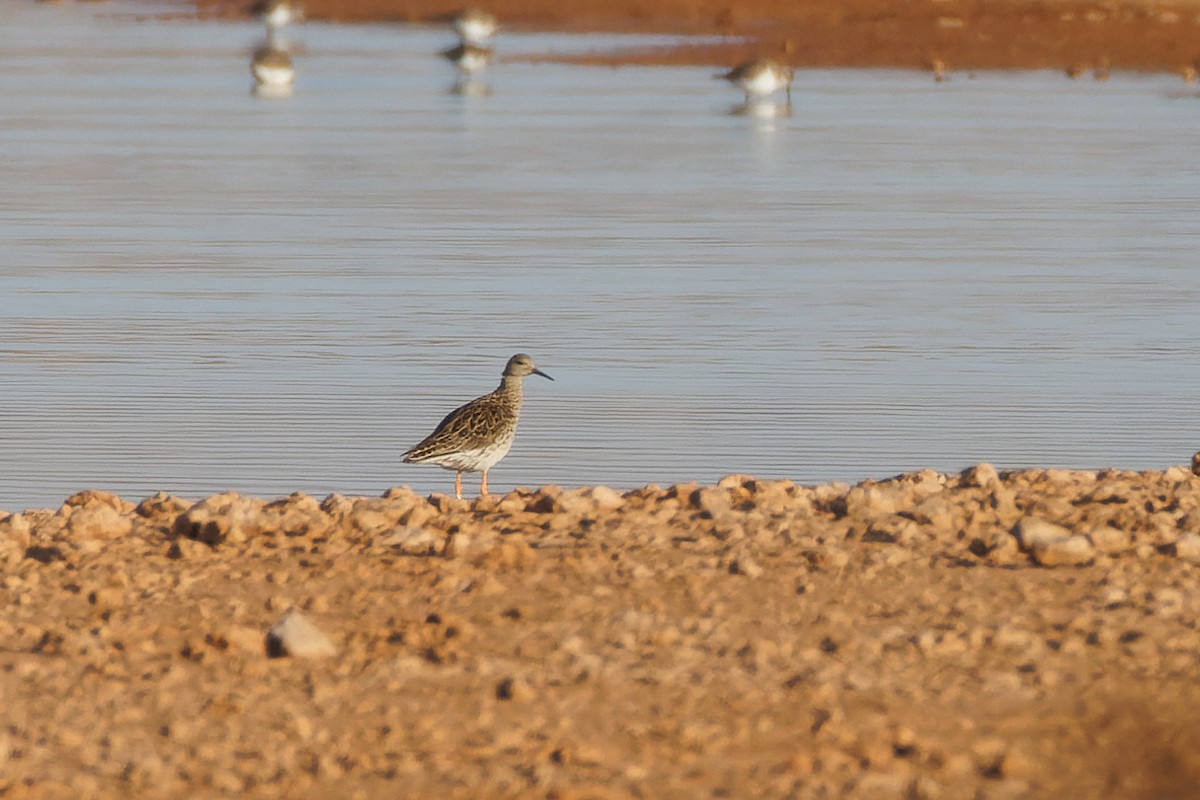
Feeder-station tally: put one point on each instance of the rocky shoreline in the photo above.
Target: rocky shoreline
(1016, 634)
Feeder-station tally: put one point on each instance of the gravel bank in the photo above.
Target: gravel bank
(1011, 635)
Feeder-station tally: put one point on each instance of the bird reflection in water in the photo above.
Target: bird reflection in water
(272, 68)
(470, 86)
(759, 108)
(765, 113)
(470, 60)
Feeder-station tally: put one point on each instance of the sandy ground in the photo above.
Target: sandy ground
(1078, 36)
(1018, 635)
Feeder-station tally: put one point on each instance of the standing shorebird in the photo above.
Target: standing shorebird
(474, 437)
(761, 77)
(277, 13)
(475, 26)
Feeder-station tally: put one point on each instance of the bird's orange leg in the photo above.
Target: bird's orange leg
(483, 489)
(458, 485)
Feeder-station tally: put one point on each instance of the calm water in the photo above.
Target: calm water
(204, 290)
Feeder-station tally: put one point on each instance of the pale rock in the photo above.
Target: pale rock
(828, 494)
(995, 544)
(990, 753)
(1169, 602)
(925, 787)
(87, 546)
(298, 515)
(368, 519)
(471, 546)
(107, 598)
(871, 501)
(1050, 502)
(294, 635)
(573, 503)
(457, 545)
(933, 642)
(982, 475)
(1187, 547)
(188, 549)
(246, 639)
(728, 527)
(302, 726)
(412, 541)
(930, 479)
(568, 520)
(162, 506)
(735, 482)
(1113, 597)
(511, 503)
(1177, 474)
(337, 505)
(1004, 504)
(894, 530)
(914, 487)
(606, 498)
(10, 552)
(16, 528)
(222, 517)
(1071, 551)
(45, 524)
(1164, 527)
(91, 498)
(941, 513)
(513, 689)
(418, 515)
(883, 784)
(1068, 477)
(541, 501)
(895, 556)
(1109, 540)
(1017, 640)
(745, 565)
(84, 783)
(1032, 531)
(826, 557)
(98, 521)
(904, 741)
(279, 602)
(711, 499)
(403, 495)
(679, 492)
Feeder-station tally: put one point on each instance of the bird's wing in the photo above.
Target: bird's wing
(462, 428)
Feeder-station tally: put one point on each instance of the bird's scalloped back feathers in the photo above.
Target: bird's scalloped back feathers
(473, 425)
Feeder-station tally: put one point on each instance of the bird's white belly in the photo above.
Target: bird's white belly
(476, 31)
(762, 84)
(278, 16)
(475, 459)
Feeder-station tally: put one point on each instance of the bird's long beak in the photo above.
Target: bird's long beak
(544, 375)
